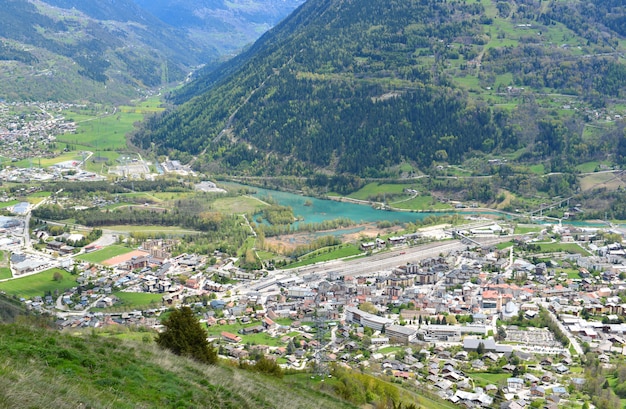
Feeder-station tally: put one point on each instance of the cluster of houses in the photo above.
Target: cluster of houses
(391, 241)
(446, 311)
(26, 128)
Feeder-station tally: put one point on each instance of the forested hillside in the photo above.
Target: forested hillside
(104, 51)
(372, 87)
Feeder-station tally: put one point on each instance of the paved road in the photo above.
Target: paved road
(108, 238)
(570, 336)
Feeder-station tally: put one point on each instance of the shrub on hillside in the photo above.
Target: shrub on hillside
(185, 336)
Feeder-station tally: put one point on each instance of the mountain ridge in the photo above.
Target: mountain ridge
(227, 25)
(106, 51)
(363, 89)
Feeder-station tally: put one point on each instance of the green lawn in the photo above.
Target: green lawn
(62, 157)
(45, 162)
(171, 196)
(261, 338)
(40, 195)
(389, 350)
(524, 229)
(502, 246)
(344, 251)
(104, 254)
(266, 255)
(489, 378)
(5, 272)
(589, 167)
(571, 272)
(4, 205)
(285, 322)
(468, 81)
(39, 284)
(572, 248)
(138, 300)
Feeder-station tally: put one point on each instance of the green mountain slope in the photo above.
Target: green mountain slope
(362, 87)
(42, 368)
(104, 51)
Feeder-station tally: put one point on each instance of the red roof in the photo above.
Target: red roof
(231, 337)
(490, 294)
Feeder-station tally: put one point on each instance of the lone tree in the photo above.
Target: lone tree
(185, 336)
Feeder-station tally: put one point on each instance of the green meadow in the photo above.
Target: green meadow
(138, 300)
(374, 189)
(326, 254)
(39, 284)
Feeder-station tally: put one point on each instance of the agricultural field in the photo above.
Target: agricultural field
(46, 162)
(601, 180)
(101, 130)
(105, 128)
(39, 284)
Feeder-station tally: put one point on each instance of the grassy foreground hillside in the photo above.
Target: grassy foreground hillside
(43, 369)
(10, 309)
